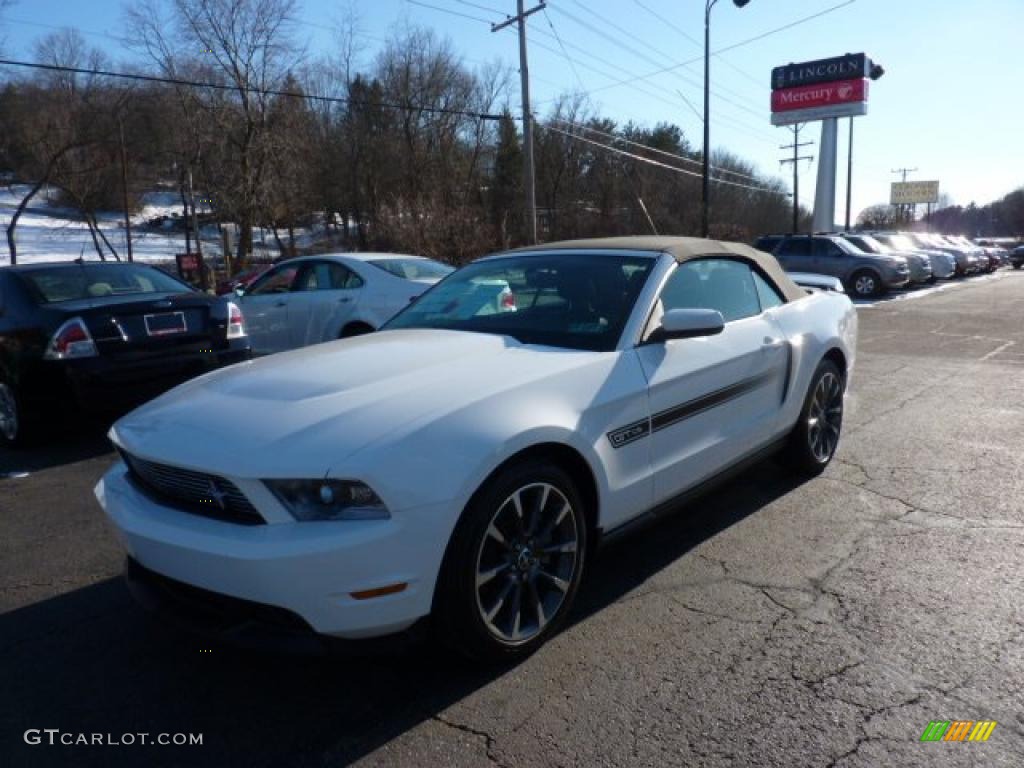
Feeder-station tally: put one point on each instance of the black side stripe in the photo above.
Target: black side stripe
(670, 416)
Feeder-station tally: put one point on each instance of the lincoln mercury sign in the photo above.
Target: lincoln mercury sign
(852, 66)
(913, 192)
(820, 89)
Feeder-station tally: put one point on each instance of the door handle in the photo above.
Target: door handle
(281, 304)
(344, 299)
(771, 342)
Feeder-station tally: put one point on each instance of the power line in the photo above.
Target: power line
(728, 121)
(646, 45)
(731, 47)
(246, 89)
(649, 148)
(489, 8)
(683, 33)
(615, 40)
(565, 53)
(649, 161)
(743, 127)
(448, 10)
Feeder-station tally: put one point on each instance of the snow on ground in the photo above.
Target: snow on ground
(48, 232)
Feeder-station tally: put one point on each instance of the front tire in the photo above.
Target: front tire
(814, 439)
(865, 284)
(513, 565)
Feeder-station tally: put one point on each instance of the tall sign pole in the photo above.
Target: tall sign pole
(529, 185)
(825, 194)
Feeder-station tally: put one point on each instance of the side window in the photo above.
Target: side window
(722, 284)
(766, 293)
(336, 276)
(309, 279)
(827, 248)
(798, 246)
(277, 280)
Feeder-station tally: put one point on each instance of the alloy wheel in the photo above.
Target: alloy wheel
(8, 413)
(526, 563)
(825, 418)
(864, 285)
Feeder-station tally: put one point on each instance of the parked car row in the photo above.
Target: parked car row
(871, 263)
(100, 338)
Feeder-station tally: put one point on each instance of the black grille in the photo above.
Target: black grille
(195, 492)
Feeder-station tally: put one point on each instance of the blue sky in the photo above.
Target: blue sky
(948, 105)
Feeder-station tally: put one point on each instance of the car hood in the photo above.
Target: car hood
(270, 417)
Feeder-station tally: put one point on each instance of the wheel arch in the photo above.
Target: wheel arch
(835, 354)
(362, 326)
(565, 457)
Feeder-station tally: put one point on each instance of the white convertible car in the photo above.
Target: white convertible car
(460, 466)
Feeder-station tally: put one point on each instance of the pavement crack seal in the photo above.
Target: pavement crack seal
(488, 739)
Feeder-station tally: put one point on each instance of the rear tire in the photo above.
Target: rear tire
(513, 565)
(12, 418)
(865, 284)
(814, 439)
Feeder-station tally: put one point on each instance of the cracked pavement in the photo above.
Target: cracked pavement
(771, 623)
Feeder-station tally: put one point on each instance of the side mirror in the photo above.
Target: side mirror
(689, 324)
(239, 291)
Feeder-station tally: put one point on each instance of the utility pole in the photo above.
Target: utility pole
(904, 209)
(524, 78)
(795, 160)
(124, 189)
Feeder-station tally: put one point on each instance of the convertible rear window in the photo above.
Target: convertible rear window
(93, 281)
(559, 299)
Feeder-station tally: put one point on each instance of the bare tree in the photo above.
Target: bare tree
(62, 128)
(881, 216)
(250, 46)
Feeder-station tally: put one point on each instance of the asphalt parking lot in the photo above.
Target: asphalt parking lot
(771, 623)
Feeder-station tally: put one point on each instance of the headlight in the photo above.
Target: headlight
(328, 499)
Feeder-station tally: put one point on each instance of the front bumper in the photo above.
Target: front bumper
(943, 269)
(920, 273)
(894, 279)
(307, 570)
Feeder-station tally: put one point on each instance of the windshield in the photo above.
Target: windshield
(93, 281)
(868, 244)
(413, 269)
(901, 242)
(573, 300)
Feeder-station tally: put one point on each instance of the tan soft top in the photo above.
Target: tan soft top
(685, 249)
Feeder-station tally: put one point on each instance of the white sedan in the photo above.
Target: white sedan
(459, 467)
(321, 298)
